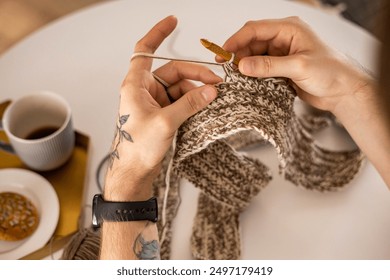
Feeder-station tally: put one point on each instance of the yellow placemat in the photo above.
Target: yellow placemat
(68, 180)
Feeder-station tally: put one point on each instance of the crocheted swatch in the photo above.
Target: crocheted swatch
(228, 180)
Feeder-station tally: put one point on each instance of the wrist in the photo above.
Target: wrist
(353, 85)
(129, 182)
(359, 104)
(132, 192)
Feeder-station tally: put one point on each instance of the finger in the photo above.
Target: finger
(189, 104)
(292, 66)
(175, 71)
(177, 90)
(167, 95)
(152, 40)
(163, 99)
(255, 48)
(278, 33)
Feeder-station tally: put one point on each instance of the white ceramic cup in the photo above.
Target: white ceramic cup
(39, 128)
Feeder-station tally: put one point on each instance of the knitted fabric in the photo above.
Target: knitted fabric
(227, 180)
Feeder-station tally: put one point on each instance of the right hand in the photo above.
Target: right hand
(321, 76)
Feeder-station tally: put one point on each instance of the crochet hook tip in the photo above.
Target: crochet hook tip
(218, 50)
(206, 43)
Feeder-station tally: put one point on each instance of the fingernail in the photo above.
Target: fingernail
(208, 93)
(247, 66)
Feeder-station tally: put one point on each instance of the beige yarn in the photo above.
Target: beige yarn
(84, 245)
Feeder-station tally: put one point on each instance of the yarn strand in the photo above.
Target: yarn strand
(144, 54)
(166, 192)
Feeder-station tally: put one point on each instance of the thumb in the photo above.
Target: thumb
(269, 66)
(189, 104)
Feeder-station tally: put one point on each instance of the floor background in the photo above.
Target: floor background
(18, 18)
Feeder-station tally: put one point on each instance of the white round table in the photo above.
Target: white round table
(85, 56)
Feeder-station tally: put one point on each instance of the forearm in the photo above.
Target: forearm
(128, 180)
(128, 240)
(364, 117)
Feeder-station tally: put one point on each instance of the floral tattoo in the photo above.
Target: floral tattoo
(120, 136)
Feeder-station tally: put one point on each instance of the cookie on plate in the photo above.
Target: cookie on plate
(18, 217)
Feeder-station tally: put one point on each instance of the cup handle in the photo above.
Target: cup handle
(4, 146)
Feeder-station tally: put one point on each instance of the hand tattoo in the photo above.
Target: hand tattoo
(120, 136)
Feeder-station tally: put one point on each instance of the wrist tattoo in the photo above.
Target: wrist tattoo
(144, 249)
(120, 136)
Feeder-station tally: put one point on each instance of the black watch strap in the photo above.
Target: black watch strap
(123, 211)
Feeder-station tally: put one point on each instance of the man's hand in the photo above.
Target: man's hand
(147, 119)
(289, 48)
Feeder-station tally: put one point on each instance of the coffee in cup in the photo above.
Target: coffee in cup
(40, 130)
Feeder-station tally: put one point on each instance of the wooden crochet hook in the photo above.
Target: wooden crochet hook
(219, 51)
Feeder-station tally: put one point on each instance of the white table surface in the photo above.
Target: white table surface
(85, 56)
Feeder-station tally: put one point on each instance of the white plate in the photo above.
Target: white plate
(42, 194)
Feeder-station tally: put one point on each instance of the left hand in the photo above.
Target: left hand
(151, 119)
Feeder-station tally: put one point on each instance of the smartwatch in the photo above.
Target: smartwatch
(123, 211)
